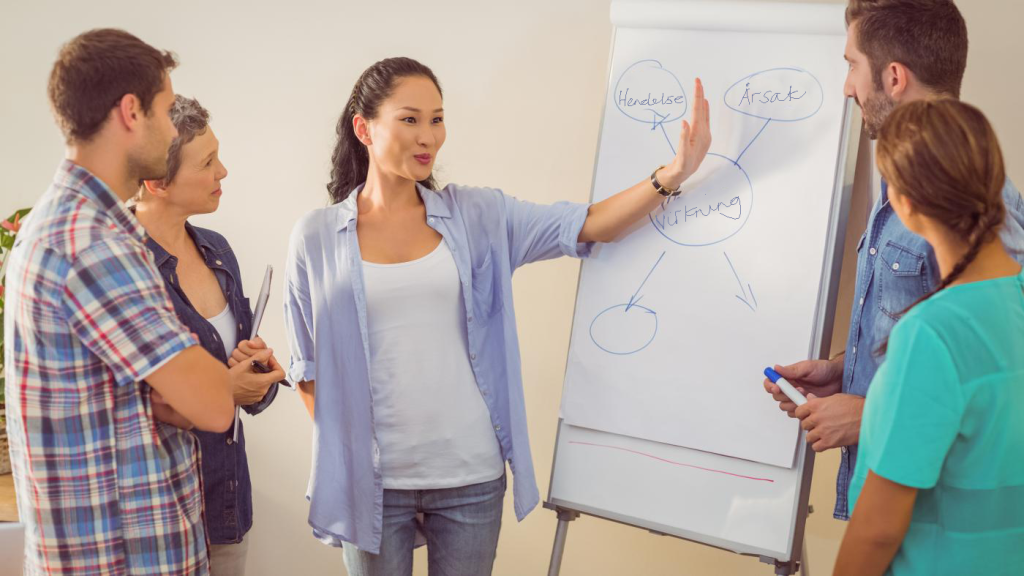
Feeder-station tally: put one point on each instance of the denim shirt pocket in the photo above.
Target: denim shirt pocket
(901, 278)
(486, 288)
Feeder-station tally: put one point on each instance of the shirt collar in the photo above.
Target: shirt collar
(79, 179)
(160, 255)
(347, 209)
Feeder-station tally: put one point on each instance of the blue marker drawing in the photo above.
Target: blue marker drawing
(753, 307)
(721, 188)
(648, 93)
(627, 328)
(762, 95)
(659, 120)
(737, 161)
(622, 333)
(633, 299)
(667, 139)
(785, 94)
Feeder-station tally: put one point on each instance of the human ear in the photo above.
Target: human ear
(897, 79)
(362, 129)
(128, 111)
(156, 187)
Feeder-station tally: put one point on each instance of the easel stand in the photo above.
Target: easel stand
(565, 515)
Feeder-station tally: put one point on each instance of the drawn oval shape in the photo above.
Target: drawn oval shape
(648, 93)
(624, 329)
(715, 205)
(779, 95)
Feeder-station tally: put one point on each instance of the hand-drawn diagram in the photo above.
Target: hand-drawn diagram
(626, 328)
(744, 297)
(718, 200)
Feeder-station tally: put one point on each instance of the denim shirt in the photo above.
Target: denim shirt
(489, 235)
(227, 490)
(895, 267)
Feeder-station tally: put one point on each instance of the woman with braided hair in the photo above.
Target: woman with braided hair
(398, 305)
(939, 485)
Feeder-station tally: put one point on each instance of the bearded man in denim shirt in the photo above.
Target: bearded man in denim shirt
(898, 51)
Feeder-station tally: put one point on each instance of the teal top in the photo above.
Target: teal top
(945, 414)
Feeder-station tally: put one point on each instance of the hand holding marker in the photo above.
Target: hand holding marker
(787, 388)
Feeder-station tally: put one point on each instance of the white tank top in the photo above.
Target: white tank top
(433, 428)
(224, 323)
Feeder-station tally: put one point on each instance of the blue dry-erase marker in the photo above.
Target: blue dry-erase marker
(786, 387)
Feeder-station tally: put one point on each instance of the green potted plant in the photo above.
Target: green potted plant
(8, 230)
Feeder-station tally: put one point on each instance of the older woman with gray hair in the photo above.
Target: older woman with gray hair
(203, 279)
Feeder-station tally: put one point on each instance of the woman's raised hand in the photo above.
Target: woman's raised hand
(694, 138)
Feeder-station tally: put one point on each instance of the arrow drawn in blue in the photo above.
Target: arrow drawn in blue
(636, 295)
(737, 161)
(753, 307)
(659, 119)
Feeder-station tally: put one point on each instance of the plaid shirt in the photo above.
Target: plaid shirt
(102, 487)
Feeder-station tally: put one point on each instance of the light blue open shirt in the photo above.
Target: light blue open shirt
(490, 235)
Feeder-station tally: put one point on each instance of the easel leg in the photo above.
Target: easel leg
(564, 517)
(805, 569)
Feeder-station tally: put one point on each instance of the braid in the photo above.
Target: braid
(984, 228)
(352, 101)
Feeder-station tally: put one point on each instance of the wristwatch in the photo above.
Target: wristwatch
(661, 189)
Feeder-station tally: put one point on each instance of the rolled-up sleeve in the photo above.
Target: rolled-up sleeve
(540, 232)
(298, 312)
(264, 403)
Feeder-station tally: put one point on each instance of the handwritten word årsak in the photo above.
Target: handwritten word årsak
(670, 218)
(650, 100)
(769, 96)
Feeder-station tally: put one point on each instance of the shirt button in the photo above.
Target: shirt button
(230, 441)
(431, 220)
(845, 450)
(854, 349)
(472, 356)
(861, 301)
(239, 325)
(872, 251)
(470, 319)
(218, 262)
(497, 428)
(896, 266)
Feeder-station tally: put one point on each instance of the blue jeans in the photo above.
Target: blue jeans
(461, 526)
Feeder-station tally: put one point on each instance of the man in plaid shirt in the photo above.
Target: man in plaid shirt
(97, 363)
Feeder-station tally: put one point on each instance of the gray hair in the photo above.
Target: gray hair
(190, 119)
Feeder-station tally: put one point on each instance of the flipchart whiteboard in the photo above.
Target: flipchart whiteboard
(665, 423)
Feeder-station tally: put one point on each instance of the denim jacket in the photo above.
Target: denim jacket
(227, 490)
(895, 267)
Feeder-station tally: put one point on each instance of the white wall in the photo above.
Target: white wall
(524, 86)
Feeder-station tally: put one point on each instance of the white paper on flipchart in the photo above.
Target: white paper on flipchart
(670, 338)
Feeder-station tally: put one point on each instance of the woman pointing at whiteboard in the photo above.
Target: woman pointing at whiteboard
(403, 338)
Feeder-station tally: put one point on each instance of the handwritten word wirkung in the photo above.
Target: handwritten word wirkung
(672, 218)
